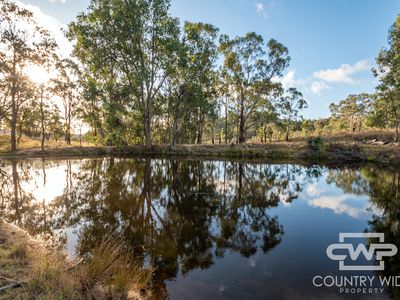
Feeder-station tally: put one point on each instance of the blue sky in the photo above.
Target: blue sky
(332, 43)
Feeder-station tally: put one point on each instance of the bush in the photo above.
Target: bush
(316, 145)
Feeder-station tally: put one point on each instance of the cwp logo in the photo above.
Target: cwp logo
(342, 251)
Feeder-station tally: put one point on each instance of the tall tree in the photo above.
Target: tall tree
(22, 42)
(289, 107)
(387, 72)
(250, 67)
(351, 112)
(192, 74)
(66, 86)
(133, 42)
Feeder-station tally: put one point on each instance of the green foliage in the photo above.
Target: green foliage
(128, 49)
(138, 77)
(248, 71)
(289, 107)
(388, 90)
(316, 145)
(190, 89)
(349, 114)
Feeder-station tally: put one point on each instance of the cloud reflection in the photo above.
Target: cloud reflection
(351, 205)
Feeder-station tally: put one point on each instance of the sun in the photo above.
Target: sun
(37, 74)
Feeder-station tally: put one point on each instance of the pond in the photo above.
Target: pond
(216, 229)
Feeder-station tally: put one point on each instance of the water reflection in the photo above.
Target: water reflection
(185, 215)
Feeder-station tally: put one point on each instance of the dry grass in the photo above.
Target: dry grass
(110, 272)
(363, 136)
(28, 143)
(19, 251)
(113, 268)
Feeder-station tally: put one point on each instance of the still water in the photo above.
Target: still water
(211, 229)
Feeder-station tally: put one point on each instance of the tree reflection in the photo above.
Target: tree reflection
(383, 188)
(350, 180)
(178, 215)
(385, 196)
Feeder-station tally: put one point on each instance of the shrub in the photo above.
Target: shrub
(316, 144)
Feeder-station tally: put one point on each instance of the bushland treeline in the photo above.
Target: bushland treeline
(137, 75)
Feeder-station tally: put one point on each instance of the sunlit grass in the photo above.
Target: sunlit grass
(28, 143)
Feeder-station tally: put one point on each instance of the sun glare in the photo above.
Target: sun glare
(37, 74)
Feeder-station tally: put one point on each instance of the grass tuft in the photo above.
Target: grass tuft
(110, 272)
(19, 251)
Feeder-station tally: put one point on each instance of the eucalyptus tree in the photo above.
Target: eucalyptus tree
(249, 68)
(66, 86)
(379, 115)
(22, 42)
(263, 121)
(4, 103)
(289, 107)
(387, 72)
(129, 44)
(351, 111)
(43, 94)
(224, 97)
(192, 74)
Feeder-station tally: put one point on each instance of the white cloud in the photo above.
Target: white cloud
(318, 86)
(289, 80)
(343, 73)
(260, 9)
(58, 1)
(52, 25)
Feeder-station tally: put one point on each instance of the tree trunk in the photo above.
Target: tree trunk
(242, 138)
(265, 133)
(19, 136)
(212, 135)
(80, 136)
(200, 135)
(68, 131)
(14, 107)
(226, 122)
(287, 129)
(352, 128)
(13, 126)
(174, 132)
(42, 119)
(287, 132)
(147, 128)
(237, 133)
(20, 131)
(200, 131)
(67, 115)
